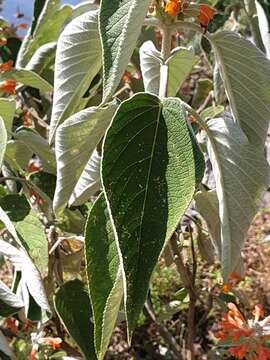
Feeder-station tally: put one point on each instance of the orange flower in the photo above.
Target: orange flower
(3, 41)
(12, 325)
(33, 352)
(126, 77)
(248, 336)
(27, 119)
(235, 277)
(206, 14)
(226, 288)
(9, 86)
(173, 7)
(54, 342)
(23, 26)
(6, 66)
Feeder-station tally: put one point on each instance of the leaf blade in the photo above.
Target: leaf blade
(103, 271)
(120, 24)
(138, 196)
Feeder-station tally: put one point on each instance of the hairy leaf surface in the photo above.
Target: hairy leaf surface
(46, 28)
(120, 27)
(180, 65)
(73, 306)
(7, 112)
(89, 182)
(104, 275)
(241, 175)
(3, 140)
(78, 60)
(246, 74)
(150, 168)
(76, 139)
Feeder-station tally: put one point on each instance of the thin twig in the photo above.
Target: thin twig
(166, 335)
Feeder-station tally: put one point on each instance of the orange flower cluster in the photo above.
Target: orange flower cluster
(174, 7)
(206, 14)
(247, 336)
(9, 86)
(6, 66)
(234, 279)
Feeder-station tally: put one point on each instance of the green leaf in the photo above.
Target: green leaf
(43, 58)
(7, 112)
(38, 7)
(89, 182)
(3, 140)
(46, 29)
(104, 274)
(202, 89)
(246, 74)
(150, 168)
(264, 27)
(73, 306)
(34, 241)
(212, 112)
(31, 280)
(180, 65)
(76, 139)
(28, 78)
(29, 227)
(235, 161)
(78, 60)
(88, 5)
(17, 155)
(207, 205)
(39, 146)
(15, 206)
(120, 27)
(10, 303)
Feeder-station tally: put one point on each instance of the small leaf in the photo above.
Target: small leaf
(246, 74)
(104, 274)
(34, 241)
(76, 140)
(78, 60)
(32, 278)
(17, 155)
(212, 112)
(180, 65)
(27, 78)
(7, 112)
(207, 205)
(73, 306)
(120, 27)
(150, 167)
(39, 146)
